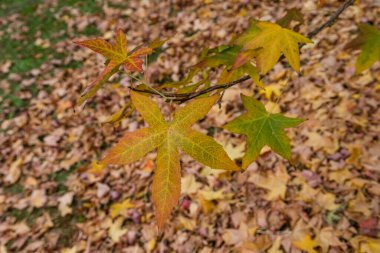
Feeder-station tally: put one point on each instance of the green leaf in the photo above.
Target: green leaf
(369, 42)
(262, 128)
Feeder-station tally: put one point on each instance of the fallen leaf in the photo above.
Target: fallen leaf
(115, 231)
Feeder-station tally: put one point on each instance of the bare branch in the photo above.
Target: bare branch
(187, 96)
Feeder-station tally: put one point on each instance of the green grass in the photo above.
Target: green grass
(39, 21)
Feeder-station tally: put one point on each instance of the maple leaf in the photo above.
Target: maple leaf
(168, 138)
(369, 42)
(307, 244)
(273, 40)
(276, 183)
(116, 55)
(262, 128)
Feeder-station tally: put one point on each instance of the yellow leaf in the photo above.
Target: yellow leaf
(340, 176)
(363, 244)
(327, 237)
(274, 40)
(188, 224)
(213, 195)
(166, 187)
(307, 244)
(326, 201)
(189, 185)
(168, 138)
(276, 183)
(96, 168)
(359, 205)
(276, 246)
(69, 250)
(119, 115)
(117, 208)
(115, 231)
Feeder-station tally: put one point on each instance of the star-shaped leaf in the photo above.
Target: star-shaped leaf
(168, 138)
(369, 42)
(116, 54)
(262, 128)
(273, 40)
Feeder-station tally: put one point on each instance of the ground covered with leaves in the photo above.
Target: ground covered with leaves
(53, 198)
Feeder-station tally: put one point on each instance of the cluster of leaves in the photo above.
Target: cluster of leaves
(254, 52)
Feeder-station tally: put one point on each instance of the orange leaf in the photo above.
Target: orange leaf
(117, 55)
(168, 138)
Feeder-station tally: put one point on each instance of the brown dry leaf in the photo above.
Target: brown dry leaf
(14, 171)
(64, 203)
(38, 198)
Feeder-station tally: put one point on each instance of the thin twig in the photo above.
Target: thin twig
(187, 96)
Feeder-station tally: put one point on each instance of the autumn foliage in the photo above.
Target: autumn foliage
(254, 52)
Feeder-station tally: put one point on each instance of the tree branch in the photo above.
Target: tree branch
(187, 96)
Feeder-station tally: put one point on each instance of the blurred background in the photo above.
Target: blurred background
(52, 198)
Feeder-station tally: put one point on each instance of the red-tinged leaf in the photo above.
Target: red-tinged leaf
(168, 138)
(102, 47)
(141, 51)
(245, 57)
(111, 68)
(156, 43)
(133, 146)
(115, 53)
(133, 64)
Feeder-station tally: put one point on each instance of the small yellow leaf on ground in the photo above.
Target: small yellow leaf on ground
(115, 231)
(69, 250)
(276, 246)
(360, 205)
(276, 183)
(327, 237)
(96, 168)
(307, 244)
(118, 208)
(189, 185)
(363, 244)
